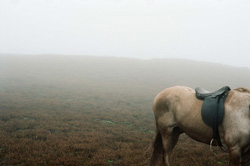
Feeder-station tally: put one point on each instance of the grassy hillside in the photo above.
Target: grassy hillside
(63, 110)
(119, 72)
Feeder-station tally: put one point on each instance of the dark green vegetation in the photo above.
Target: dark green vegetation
(59, 110)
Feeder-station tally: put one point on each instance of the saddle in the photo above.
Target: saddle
(212, 110)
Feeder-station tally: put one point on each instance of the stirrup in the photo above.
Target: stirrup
(211, 142)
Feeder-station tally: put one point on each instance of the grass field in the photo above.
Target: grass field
(68, 115)
(69, 129)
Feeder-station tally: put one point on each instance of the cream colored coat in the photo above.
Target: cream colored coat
(177, 111)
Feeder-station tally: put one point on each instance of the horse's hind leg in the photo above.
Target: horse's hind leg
(169, 139)
(235, 156)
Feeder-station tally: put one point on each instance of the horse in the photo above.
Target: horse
(177, 110)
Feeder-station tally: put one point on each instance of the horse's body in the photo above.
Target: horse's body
(177, 110)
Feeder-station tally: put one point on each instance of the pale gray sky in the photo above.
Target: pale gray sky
(206, 30)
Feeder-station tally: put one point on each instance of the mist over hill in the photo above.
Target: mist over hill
(70, 110)
(116, 75)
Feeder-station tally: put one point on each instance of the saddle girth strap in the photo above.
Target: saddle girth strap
(220, 106)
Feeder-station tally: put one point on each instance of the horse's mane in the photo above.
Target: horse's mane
(245, 90)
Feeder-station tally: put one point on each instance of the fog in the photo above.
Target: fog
(212, 30)
(116, 76)
(85, 110)
(78, 77)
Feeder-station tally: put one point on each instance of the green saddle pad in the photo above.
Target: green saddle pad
(212, 111)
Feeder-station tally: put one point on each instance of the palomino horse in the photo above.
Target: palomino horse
(177, 111)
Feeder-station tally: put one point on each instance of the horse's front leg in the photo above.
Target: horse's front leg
(234, 156)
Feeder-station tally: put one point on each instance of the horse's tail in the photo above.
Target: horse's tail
(158, 149)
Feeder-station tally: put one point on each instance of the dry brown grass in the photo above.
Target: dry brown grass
(53, 130)
(95, 111)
